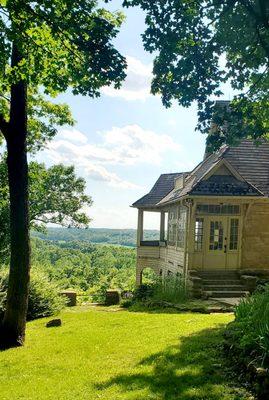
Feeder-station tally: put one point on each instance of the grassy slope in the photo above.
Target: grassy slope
(101, 354)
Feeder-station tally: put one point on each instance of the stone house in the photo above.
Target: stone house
(214, 220)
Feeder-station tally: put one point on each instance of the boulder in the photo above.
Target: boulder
(112, 297)
(54, 322)
(71, 297)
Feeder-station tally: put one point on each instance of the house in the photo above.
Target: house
(214, 220)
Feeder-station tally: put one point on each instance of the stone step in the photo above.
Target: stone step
(222, 282)
(215, 280)
(219, 276)
(226, 294)
(224, 288)
(208, 274)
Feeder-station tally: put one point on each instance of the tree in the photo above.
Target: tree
(56, 196)
(55, 45)
(192, 39)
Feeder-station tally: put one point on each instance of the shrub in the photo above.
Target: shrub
(44, 297)
(251, 326)
(172, 289)
(143, 292)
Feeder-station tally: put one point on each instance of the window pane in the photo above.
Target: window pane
(182, 217)
(198, 235)
(234, 225)
(216, 235)
(219, 209)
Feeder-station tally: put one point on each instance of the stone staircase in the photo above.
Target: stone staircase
(222, 284)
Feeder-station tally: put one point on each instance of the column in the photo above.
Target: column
(140, 226)
(162, 226)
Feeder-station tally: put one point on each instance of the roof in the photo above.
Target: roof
(249, 166)
(224, 185)
(162, 187)
(252, 162)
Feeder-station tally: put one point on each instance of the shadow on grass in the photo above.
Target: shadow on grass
(196, 306)
(194, 369)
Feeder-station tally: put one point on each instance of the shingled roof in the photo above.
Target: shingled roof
(162, 187)
(249, 161)
(252, 162)
(224, 185)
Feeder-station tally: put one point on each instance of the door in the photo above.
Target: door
(216, 243)
(222, 243)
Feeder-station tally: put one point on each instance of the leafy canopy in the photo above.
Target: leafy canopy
(200, 45)
(63, 43)
(56, 195)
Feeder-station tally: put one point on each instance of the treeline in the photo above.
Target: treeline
(123, 237)
(86, 267)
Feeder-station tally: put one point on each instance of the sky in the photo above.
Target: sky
(125, 139)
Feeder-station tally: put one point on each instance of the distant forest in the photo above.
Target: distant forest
(122, 237)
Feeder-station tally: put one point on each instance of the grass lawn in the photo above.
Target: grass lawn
(99, 353)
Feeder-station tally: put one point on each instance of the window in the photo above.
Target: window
(216, 235)
(234, 225)
(181, 230)
(172, 226)
(199, 233)
(220, 209)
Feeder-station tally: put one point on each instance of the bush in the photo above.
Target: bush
(44, 297)
(251, 326)
(143, 292)
(172, 289)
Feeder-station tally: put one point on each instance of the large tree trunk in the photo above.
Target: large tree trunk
(13, 325)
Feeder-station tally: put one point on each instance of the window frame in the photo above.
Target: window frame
(199, 234)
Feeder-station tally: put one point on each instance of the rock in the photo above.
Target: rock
(112, 297)
(54, 322)
(71, 297)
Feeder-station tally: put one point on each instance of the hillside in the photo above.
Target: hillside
(123, 237)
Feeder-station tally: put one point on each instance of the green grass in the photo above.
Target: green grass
(104, 353)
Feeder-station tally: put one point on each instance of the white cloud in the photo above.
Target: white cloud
(132, 144)
(137, 83)
(73, 135)
(126, 146)
(67, 153)
(120, 217)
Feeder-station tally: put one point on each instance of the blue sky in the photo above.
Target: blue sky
(124, 140)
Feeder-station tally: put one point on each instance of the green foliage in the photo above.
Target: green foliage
(86, 267)
(63, 44)
(56, 196)
(199, 46)
(44, 118)
(44, 298)
(251, 326)
(143, 292)
(172, 289)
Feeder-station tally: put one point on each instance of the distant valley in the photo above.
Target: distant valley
(122, 237)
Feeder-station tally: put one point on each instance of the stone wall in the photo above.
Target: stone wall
(255, 238)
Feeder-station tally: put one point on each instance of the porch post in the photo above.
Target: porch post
(140, 227)
(162, 226)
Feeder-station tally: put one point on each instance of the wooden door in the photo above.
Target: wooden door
(222, 242)
(215, 255)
